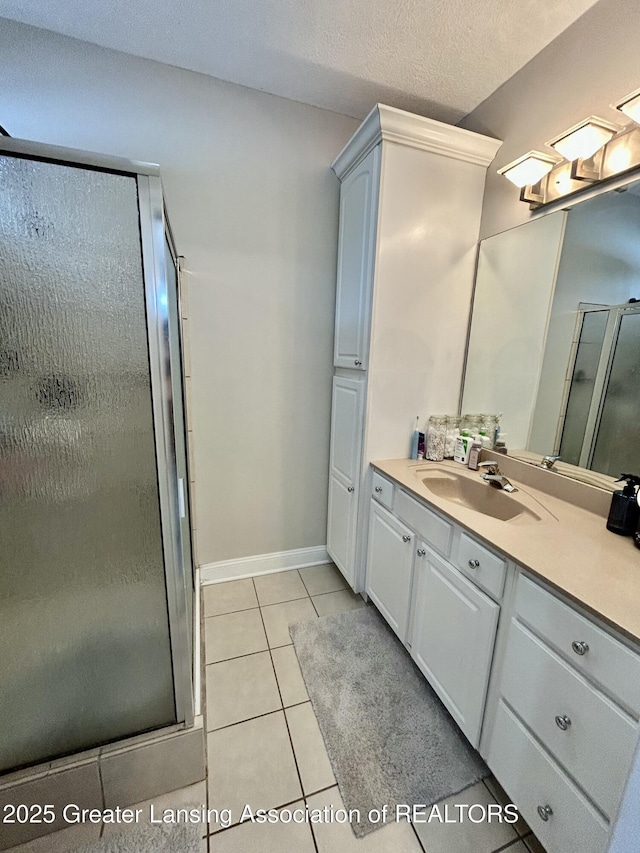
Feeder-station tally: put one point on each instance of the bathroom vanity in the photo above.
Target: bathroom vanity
(521, 611)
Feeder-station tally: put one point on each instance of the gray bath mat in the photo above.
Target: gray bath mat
(389, 738)
(146, 838)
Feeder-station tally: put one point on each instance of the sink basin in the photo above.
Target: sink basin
(476, 495)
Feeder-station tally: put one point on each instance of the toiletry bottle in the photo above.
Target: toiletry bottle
(463, 445)
(624, 512)
(474, 455)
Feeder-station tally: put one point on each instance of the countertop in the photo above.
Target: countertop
(569, 547)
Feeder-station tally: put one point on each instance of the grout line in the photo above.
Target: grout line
(313, 835)
(248, 719)
(286, 600)
(218, 832)
(229, 612)
(286, 721)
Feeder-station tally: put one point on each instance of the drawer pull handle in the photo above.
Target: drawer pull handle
(579, 647)
(545, 812)
(378, 489)
(563, 722)
(406, 538)
(349, 489)
(474, 564)
(421, 552)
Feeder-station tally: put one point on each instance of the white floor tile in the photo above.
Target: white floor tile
(265, 838)
(321, 579)
(335, 602)
(239, 689)
(252, 764)
(233, 635)
(278, 617)
(228, 597)
(64, 841)
(289, 676)
(465, 836)
(309, 748)
(339, 838)
(278, 587)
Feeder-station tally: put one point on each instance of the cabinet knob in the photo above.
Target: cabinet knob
(563, 722)
(406, 538)
(378, 489)
(421, 552)
(349, 488)
(357, 362)
(545, 812)
(474, 564)
(579, 647)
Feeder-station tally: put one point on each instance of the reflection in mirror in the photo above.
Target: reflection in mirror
(554, 342)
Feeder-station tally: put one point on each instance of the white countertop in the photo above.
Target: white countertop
(569, 547)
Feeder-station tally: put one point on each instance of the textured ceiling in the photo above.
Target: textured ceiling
(440, 58)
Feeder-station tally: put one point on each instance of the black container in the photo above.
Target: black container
(625, 513)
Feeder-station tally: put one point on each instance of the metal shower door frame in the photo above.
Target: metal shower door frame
(153, 225)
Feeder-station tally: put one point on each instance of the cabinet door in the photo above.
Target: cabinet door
(389, 567)
(347, 412)
(341, 527)
(356, 248)
(454, 630)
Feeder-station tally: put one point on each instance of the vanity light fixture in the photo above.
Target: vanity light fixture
(584, 139)
(529, 169)
(591, 151)
(630, 106)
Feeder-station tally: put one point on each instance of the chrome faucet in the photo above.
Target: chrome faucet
(495, 477)
(549, 462)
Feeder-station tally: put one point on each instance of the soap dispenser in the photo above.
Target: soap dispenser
(624, 512)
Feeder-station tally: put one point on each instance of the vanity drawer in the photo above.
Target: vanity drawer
(533, 780)
(482, 566)
(382, 490)
(429, 526)
(586, 646)
(589, 735)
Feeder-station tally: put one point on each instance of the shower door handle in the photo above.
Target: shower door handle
(181, 506)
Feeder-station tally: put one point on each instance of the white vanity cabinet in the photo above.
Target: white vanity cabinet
(404, 284)
(565, 720)
(454, 629)
(347, 402)
(356, 242)
(389, 567)
(444, 618)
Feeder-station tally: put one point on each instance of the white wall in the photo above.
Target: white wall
(254, 206)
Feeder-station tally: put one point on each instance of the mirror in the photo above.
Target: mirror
(554, 341)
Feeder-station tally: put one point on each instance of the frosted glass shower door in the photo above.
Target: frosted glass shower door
(84, 626)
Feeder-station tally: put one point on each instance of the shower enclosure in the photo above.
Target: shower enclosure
(602, 408)
(96, 578)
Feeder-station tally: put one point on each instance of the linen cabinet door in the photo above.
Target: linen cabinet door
(356, 248)
(389, 567)
(454, 629)
(347, 412)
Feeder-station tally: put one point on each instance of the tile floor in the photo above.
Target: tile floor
(264, 745)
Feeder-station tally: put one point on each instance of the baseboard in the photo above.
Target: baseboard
(263, 564)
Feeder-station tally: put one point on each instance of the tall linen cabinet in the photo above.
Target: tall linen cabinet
(410, 204)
